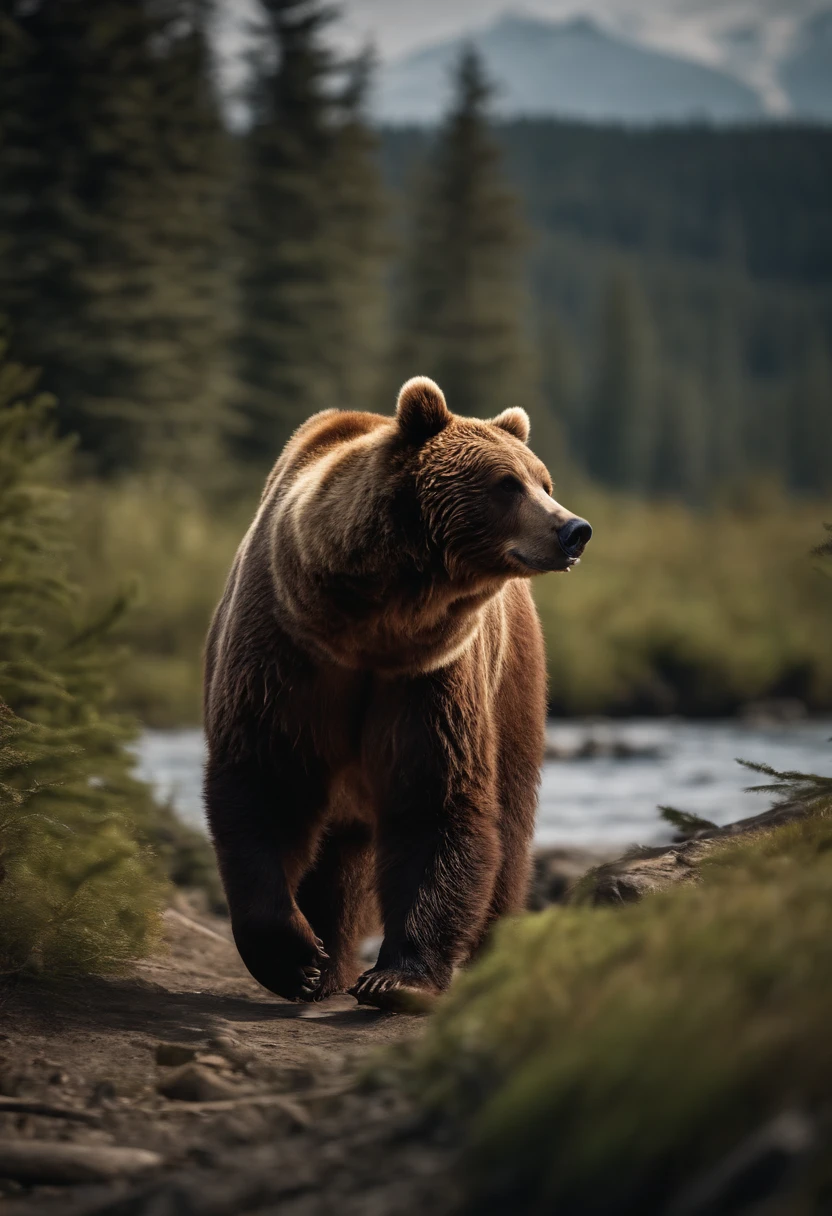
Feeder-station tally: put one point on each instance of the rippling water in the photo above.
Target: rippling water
(602, 801)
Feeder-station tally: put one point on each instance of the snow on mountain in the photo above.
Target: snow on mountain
(639, 61)
(806, 72)
(572, 68)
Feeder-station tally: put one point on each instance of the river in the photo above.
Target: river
(604, 800)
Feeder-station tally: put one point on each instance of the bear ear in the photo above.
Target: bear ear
(421, 410)
(516, 422)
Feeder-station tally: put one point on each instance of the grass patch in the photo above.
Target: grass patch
(659, 617)
(158, 541)
(696, 612)
(598, 1060)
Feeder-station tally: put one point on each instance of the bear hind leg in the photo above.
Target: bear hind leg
(264, 842)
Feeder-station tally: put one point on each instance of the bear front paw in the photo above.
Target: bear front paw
(395, 991)
(284, 957)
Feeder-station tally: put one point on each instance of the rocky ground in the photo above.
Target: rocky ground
(185, 1088)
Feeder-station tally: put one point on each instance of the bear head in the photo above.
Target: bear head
(485, 497)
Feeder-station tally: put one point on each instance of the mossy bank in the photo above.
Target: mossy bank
(668, 1056)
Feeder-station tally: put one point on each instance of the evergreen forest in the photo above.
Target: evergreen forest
(660, 300)
(188, 290)
(178, 292)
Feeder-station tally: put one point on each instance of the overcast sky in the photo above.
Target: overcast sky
(398, 26)
(689, 27)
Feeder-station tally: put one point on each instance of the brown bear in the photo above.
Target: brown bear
(375, 697)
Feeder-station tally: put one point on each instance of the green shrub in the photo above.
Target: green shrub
(675, 610)
(78, 893)
(598, 1060)
(661, 615)
(158, 537)
(80, 887)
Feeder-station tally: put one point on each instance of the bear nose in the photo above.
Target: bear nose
(574, 536)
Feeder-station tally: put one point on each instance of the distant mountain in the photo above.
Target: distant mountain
(571, 69)
(806, 72)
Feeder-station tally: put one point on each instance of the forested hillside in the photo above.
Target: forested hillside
(693, 269)
(114, 234)
(660, 301)
(192, 295)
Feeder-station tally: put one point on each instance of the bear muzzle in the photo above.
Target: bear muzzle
(550, 538)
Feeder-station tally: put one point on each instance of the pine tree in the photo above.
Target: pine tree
(312, 233)
(79, 886)
(284, 255)
(360, 248)
(77, 889)
(810, 419)
(681, 444)
(183, 342)
(729, 426)
(465, 310)
(560, 384)
(111, 220)
(621, 418)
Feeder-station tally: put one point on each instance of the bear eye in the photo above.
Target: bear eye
(510, 485)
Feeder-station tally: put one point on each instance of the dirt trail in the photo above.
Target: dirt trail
(274, 1119)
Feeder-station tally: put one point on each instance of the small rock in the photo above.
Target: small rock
(58, 1078)
(230, 1048)
(196, 1084)
(15, 1084)
(288, 1079)
(102, 1092)
(556, 871)
(211, 1061)
(224, 1043)
(174, 1055)
(200, 1155)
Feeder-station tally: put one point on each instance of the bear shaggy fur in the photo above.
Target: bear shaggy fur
(375, 698)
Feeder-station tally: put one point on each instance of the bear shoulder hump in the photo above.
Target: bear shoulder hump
(319, 435)
(329, 429)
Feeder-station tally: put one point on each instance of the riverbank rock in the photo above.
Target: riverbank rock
(644, 871)
(601, 745)
(776, 711)
(556, 871)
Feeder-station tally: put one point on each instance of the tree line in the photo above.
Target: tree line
(191, 294)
